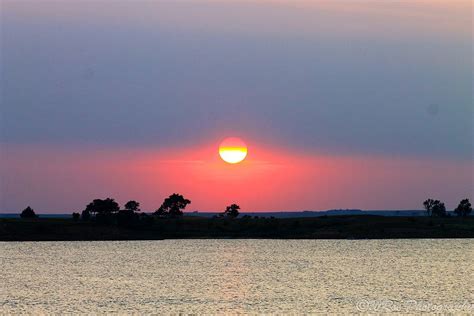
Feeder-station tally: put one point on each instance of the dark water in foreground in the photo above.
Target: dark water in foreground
(248, 276)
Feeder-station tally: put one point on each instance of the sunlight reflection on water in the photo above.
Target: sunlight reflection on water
(238, 276)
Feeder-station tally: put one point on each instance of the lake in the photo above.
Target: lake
(237, 276)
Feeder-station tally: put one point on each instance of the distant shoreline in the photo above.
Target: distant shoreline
(189, 227)
(276, 214)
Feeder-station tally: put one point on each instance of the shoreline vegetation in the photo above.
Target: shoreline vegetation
(104, 220)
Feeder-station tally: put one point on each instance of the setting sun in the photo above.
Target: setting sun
(233, 150)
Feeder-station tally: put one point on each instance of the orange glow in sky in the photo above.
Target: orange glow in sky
(269, 179)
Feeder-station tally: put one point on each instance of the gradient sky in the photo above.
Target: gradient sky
(344, 104)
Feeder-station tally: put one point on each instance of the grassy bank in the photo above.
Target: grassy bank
(333, 227)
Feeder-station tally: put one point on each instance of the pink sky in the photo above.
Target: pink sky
(270, 179)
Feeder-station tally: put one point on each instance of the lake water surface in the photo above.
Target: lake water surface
(237, 276)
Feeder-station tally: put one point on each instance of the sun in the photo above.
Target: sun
(233, 150)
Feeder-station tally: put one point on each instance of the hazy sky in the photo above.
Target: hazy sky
(357, 103)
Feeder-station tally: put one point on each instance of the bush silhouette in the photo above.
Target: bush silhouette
(28, 213)
(76, 216)
(160, 212)
(146, 219)
(85, 215)
(231, 211)
(126, 217)
(464, 208)
(172, 206)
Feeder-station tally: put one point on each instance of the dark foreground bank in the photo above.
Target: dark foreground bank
(334, 227)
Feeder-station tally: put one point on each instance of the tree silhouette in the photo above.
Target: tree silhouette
(132, 206)
(172, 206)
(438, 209)
(232, 211)
(103, 207)
(28, 213)
(434, 208)
(428, 205)
(464, 208)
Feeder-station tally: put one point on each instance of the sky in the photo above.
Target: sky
(343, 103)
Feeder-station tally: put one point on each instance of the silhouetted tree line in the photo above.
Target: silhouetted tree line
(105, 211)
(108, 210)
(437, 208)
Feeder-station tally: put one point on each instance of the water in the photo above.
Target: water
(238, 276)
